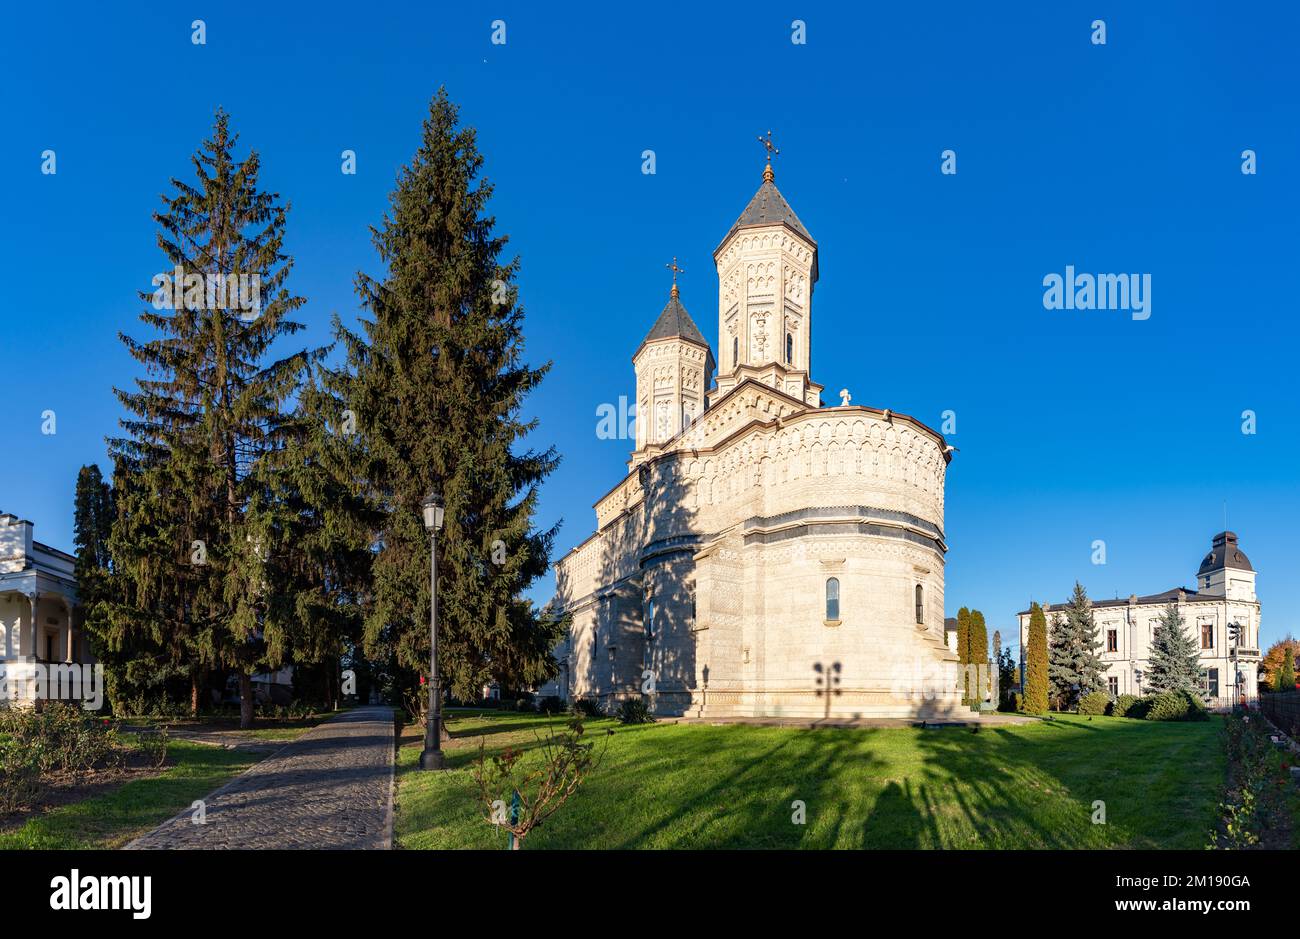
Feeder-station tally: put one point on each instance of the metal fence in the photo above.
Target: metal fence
(1283, 709)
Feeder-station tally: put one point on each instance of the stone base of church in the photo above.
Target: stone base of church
(846, 704)
(850, 705)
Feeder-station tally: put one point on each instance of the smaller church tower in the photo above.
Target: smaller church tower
(674, 366)
(1226, 570)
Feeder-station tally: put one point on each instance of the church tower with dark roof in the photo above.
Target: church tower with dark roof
(673, 368)
(767, 266)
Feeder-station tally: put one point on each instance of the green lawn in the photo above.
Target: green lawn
(114, 818)
(698, 786)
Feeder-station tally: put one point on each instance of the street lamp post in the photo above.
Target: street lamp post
(431, 757)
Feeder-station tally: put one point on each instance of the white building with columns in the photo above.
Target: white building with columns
(40, 619)
(764, 555)
(1224, 596)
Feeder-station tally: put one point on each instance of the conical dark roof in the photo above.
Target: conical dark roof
(673, 323)
(768, 207)
(1224, 553)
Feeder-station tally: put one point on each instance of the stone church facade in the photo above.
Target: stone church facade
(765, 555)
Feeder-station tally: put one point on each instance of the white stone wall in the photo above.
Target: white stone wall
(1134, 626)
(765, 284)
(748, 614)
(671, 383)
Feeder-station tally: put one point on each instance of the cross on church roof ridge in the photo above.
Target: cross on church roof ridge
(676, 270)
(768, 175)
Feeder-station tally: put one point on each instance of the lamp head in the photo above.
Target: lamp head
(431, 508)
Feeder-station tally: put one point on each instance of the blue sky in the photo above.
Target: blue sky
(1072, 426)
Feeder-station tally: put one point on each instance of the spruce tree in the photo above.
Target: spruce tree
(211, 408)
(1074, 653)
(92, 524)
(436, 379)
(318, 526)
(1175, 663)
(1036, 664)
(93, 511)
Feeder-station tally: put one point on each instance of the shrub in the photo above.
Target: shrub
(586, 707)
(1013, 702)
(19, 778)
(61, 737)
(1094, 703)
(1124, 705)
(551, 704)
(1175, 706)
(635, 711)
(153, 744)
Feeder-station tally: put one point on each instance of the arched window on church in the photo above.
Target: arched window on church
(735, 351)
(920, 605)
(789, 348)
(832, 599)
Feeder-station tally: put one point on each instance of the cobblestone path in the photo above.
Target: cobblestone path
(330, 788)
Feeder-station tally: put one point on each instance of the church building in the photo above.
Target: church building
(766, 555)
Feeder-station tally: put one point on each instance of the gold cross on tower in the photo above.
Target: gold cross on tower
(676, 270)
(772, 151)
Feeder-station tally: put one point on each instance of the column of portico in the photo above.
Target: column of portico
(10, 629)
(34, 598)
(69, 649)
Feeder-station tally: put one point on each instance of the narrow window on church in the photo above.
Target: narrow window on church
(650, 620)
(832, 599)
(789, 348)
(920, 606)
(735, 351)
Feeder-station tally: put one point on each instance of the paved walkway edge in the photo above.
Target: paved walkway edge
(385, 842)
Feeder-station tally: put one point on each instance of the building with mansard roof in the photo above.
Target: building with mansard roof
(765, 555)
(1224, 598)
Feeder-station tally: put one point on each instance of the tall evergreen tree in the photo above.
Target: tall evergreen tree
(211, 408)
(978, 653)
(1175, 663)
(436, 379)
(1286, 674)
(963, 635)
(963, 652)
(318, 526)
(1074, 653)
(92, 524)
(93, 511)
(1036, 667)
